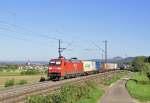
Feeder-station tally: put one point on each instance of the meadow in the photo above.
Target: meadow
(139, 87)
(18, 76)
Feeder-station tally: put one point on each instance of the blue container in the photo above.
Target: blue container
(98, 65)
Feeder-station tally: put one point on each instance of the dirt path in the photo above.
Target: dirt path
(117, 93)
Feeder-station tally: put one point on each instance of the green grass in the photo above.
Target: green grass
(140, 77)
(12, 73)
(137, 89)
(21, 72)
(18, 79)
(93, 97)
(98, 92)
(114, 78)
(89, 92)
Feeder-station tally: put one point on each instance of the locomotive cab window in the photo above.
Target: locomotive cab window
(55, 63)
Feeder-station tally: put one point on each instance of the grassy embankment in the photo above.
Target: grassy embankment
(90, 92)
(139, 87)
(115, 77)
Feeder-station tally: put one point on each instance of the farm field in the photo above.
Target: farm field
(29, 78)
(139, 87)
(10, 73)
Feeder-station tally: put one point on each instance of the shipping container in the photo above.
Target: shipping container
(98, 65)
(110, 66)
(89, 66)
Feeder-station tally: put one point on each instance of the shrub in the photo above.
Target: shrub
(71, 93)
(146, 70)
(46, 71)
(1, 69)
(42, 79)
(22, 82)
(9, 83)
(67, 94)
(30, 72)
(138, 90)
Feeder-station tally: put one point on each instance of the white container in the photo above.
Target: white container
(112, 66)
(89, 66)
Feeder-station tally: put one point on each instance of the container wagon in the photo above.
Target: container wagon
(89, 67)
(110, 66)
(98, 65)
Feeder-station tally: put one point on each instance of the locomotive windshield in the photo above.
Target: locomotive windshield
(55, 63)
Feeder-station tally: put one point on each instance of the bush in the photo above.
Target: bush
(46, 71)
(42, 79)
(137, 63)
(22, 82)
(30, 72)
(69, 94)
(138, 90)
(146, 70)
(9, 83)
(1, 69)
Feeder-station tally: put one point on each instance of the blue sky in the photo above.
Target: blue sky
(124, 23)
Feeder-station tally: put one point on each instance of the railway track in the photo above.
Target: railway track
(18, 95)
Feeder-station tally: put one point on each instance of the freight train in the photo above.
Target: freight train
(70, 68)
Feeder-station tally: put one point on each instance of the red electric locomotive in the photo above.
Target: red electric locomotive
(64, 68)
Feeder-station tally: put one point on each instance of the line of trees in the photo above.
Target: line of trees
(8, 67)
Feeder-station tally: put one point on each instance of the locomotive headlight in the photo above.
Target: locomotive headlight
(59, 68)
(50, 68)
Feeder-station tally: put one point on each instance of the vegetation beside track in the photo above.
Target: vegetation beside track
(116, 77)
(89, 92)
(12, 82)
(139, 87)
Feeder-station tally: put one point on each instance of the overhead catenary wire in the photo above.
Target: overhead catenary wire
(33, 32)
(99, 49)
(17, 38)
(98, 46)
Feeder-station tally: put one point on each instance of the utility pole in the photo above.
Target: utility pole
(105, 52)
(102, 55)
(105, 67)
(60, 50)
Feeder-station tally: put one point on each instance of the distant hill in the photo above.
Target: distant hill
(122, 60)
(129, 59)
(119, 59)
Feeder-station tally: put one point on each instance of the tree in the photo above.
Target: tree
(12, 67)
(146, 70)
(138, 63)
(147, 60)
